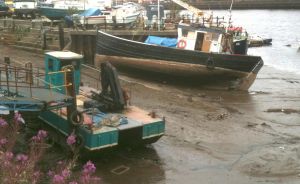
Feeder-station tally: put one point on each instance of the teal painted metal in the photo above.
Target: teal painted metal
(54, 13)
(55, 64)
(153, 129)
(100, 140)
(92, 140)
(99, 136)
(104, 137)
(56, 121)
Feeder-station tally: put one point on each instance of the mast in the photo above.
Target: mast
(229, 18)
(158, 15)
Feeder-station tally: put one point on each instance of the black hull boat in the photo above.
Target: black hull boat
(125, 53)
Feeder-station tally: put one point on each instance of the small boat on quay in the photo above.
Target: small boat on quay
(56, 10)
(25, 8)
(119, 15)
(202, 52)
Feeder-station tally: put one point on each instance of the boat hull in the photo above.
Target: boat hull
(94, 20)
(53, 13)
(193, 72)
(139, 130)
(173, 61)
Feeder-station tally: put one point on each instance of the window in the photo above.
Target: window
(185, 32)
(50, 64)
(75, 63)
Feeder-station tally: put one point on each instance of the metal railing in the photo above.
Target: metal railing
(14, 80)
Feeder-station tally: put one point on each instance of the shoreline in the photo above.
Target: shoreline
(244, 5)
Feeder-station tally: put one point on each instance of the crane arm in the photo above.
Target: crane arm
(193, 9)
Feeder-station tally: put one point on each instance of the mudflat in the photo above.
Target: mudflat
(212, 135)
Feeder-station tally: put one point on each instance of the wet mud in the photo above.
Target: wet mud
(212, 136)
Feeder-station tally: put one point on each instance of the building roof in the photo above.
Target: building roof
(64, 55)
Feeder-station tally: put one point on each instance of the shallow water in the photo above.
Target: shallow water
(283, 26)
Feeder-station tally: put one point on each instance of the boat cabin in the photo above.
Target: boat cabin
(54, 63)
(212, 39)
(201, 39)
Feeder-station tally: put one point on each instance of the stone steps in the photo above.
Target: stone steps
(31, 49)
(28, 44)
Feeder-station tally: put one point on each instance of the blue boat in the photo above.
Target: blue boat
(58, 10)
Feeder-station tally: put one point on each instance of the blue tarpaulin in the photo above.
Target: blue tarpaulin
(163, 41)
(90, 12)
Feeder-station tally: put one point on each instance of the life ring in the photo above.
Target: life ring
(76, 118)
(181, 44)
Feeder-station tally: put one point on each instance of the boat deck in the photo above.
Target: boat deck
(129, 118)
(33, 99)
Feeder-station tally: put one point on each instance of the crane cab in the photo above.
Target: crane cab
(54, 63)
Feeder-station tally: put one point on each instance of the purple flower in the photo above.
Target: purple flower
(3, 141)
(73, 182)
(58, 179)
(89, 168)
(7, 163)
(42, 134)
(71, 139)
(3, 123)
(22, 157)
(18, 118)
(66, 173)
(36, 176)
(35, 139)
(50, 173)
(9, 155)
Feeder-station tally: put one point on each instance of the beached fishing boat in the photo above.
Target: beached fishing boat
(201, 52)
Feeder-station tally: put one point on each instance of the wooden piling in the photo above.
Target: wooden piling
(61, 36)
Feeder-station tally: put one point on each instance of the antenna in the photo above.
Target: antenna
(229, 19)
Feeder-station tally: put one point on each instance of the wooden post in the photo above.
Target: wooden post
(7, 78)
(29, 73)
(61, 36)
(16, 80)
(44, 36)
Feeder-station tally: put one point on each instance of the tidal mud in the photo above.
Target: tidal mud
(212, 136)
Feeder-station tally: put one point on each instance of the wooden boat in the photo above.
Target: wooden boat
(119, 15)
(201, 52)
